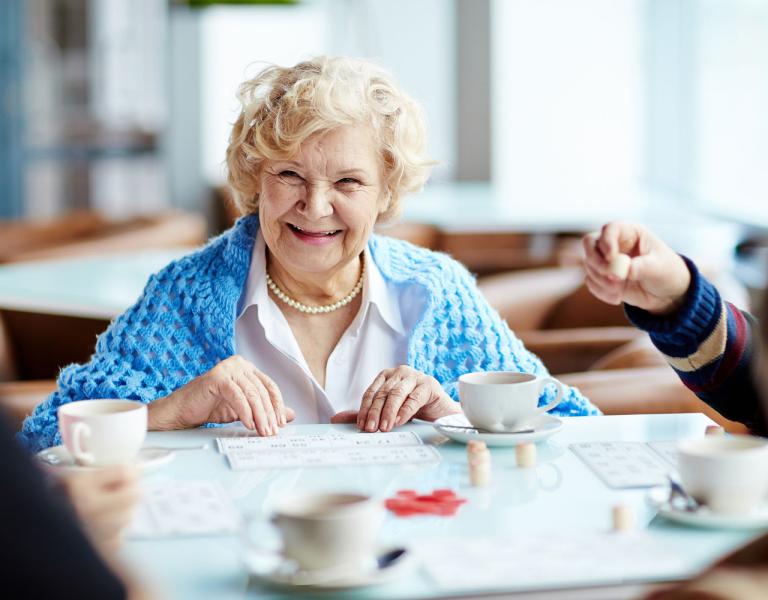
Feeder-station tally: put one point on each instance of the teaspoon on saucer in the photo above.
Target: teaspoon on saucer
(678, 497)
(329, 575)
(179, 448)
(468, 427)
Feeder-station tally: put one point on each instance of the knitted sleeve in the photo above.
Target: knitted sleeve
(155, 347)
(462, 333)
(709, 343)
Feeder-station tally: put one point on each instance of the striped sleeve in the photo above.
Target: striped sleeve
(709, 343)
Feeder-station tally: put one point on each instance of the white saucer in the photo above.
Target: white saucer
(59, 457)
(543, 427)
(706, 519)
(275, 570)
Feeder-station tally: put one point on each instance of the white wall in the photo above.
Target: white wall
(414, 39)
(411, 38)
(730, 147)
(568, 103)
(235, 42)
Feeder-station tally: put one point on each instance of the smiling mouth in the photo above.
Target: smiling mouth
(318, 234)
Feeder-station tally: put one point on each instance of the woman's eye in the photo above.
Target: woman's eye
(290, 178)
(348, 181)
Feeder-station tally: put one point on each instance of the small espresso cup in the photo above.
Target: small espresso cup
(727, 474)
(330, 531)
(103, 432)
(502, 401)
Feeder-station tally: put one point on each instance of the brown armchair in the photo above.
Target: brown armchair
(84, 232)
(17, 398)
(557, 318)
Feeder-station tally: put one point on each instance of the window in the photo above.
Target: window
(729, 139)
(568, 103)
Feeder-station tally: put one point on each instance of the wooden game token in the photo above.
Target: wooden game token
(525, 454)
(619, 265)
(623, 518)
(479, 459)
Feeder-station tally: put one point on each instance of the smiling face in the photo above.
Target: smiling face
(317, 210)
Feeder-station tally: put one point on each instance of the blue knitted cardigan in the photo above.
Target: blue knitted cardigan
(183, 325)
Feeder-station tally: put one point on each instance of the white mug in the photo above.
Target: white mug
(727, 474)
(502, 401)
(103, 432)
(330, 531)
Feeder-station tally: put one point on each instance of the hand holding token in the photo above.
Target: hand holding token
(625, 262)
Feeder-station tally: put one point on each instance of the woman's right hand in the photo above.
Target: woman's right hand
(657, 280)
(233, 390)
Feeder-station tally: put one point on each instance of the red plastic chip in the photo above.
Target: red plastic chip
(441, 502)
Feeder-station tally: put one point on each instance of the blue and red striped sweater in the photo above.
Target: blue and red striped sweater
(710, 345)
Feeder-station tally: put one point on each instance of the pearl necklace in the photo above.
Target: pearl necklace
(314, 310)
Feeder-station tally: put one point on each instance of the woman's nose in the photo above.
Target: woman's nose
(317, 202)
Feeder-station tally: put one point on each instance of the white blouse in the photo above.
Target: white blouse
(375, 340)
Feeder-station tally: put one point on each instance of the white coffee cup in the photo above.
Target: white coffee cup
(504, 400)
(330, 531)
(103, 432)
(727, 474)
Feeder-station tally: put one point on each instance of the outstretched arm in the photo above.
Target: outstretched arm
(708, 342)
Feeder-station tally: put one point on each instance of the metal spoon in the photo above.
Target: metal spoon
(331, 574)
(468, 427)
(178, 448)
(679, 498)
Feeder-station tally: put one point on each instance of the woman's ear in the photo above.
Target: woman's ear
(385, 202)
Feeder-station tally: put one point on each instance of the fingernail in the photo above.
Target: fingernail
(371, 425)
(385, 425)
(399, 421)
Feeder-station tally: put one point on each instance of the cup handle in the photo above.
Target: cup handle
(79, 431)
(258, 546)
(560, 387)
(558, 478)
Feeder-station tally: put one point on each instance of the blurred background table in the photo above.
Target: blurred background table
(97, 287)
(51, 312)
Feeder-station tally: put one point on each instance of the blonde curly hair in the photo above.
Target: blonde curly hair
(283, 106)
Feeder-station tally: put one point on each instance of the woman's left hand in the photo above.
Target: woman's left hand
(104, 499)
(397, 395)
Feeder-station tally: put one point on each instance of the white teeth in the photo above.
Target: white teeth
(314, 232)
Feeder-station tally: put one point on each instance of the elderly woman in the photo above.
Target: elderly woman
(300, 312)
